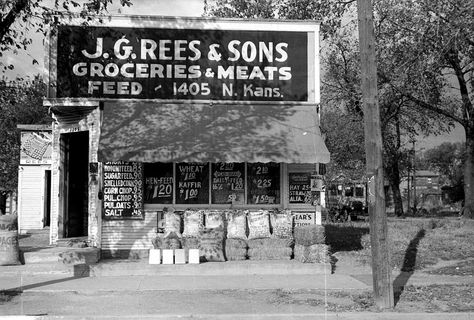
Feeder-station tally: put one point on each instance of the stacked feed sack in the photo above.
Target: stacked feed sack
(270, 249)
(171, 239)
(193, 225)
(236, 241)
(310, 244)
(262, 245)
(9, 247)
(211, 237)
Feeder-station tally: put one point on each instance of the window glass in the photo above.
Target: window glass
(299, 187)
(192, 183)
(158, 183)
(359, 191)
(228, 183)
(263, 183)
(349, 191)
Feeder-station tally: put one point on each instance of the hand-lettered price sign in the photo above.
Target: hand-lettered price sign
(263, 183)
(158, 183)
(192, 183)
(299, 188)
(227, 183)
(123, 190)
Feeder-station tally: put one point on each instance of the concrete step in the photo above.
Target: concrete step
(68, 256)
(76, 242)
(142, 268)
(247, 267)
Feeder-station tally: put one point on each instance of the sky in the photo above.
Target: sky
(25, 68)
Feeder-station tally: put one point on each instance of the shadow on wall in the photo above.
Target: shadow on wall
(203, 133)
(128, 239)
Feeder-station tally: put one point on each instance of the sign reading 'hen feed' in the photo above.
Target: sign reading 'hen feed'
(185, 63)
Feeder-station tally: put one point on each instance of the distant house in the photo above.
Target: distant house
(425, 186)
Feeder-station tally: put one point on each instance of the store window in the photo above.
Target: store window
(299, 188)
(349, 191)
(159, 183)
(192, 183)
(220, 184)
(263, 183)
(228, 183)
(359, 191)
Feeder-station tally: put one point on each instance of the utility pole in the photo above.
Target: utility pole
(414, 180)
(381, 271)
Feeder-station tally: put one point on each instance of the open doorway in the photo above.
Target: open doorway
(47, 198)
(75, 184)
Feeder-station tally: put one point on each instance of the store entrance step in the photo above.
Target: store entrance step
(119, 267)
(76, 242)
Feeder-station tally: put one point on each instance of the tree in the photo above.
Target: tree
(401, 119)
(330, 13)
(435, 42)
(344, 136)
(20, 103)
(20, 17)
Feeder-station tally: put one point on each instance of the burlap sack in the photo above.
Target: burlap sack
(9, 247)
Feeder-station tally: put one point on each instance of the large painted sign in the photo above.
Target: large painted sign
(208, 63)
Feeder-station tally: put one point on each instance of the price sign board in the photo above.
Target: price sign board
(263, 183)
(123, 191)
(158, 183)
(303, 218)
(192, 183)
(227, 185)
(299, 188)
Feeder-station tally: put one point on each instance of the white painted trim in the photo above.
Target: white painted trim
(19, 198)
(194, 23)
(284, 185)
(70, 102)
(95, 102)
(317, 67)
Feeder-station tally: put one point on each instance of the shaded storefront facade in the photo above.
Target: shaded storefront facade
(155, 113)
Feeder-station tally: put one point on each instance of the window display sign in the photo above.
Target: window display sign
(263, 183)
(201, 60)
(299, 188)
(158, 183)
(303, 218)
(123, 190)
(317, 183)
(192, 183)
(227, 184)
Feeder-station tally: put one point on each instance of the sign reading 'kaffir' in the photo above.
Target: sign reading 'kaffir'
(153, 63)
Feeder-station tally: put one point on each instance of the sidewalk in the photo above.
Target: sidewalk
(133, 289)
(262, 290)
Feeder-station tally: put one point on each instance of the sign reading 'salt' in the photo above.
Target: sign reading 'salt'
(181, 63)
(123, 189)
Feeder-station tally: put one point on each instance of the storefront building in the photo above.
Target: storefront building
(152, 113)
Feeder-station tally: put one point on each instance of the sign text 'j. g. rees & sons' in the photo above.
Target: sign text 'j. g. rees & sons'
(151, 63)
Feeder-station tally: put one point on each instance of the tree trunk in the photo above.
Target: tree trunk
(393, 174)
(468, 210)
